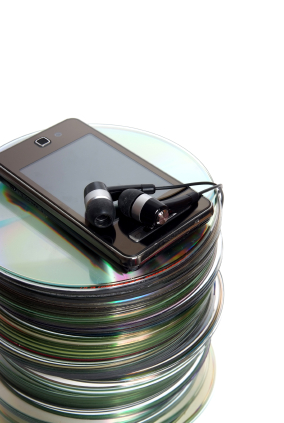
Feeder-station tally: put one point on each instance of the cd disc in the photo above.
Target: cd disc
(35, 249)
(16, 409)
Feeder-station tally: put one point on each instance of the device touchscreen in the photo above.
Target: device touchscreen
(65, 172)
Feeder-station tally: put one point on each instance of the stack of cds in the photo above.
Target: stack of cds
(80, 341)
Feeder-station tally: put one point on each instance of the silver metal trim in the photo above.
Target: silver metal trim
(97, 193)
(138, 205)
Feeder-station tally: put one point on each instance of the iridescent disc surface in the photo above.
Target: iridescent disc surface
(33, 248)
(14, 409)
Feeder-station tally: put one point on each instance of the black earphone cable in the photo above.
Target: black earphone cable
(191, 184)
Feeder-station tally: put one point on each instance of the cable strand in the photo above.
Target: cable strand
(191, 184)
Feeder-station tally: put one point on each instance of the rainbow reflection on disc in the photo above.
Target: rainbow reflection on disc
(14, 409)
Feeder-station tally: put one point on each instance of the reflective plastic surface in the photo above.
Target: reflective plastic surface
(14, 409)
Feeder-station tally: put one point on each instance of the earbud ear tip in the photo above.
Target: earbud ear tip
(100, 213)
(126, 199)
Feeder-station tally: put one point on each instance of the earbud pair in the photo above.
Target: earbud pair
(134, 201)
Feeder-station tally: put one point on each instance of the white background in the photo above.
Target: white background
(209, 76)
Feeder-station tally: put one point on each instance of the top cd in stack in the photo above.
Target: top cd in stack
(34, 250)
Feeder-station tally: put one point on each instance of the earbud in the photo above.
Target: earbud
(100, 210)
(143, 208)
